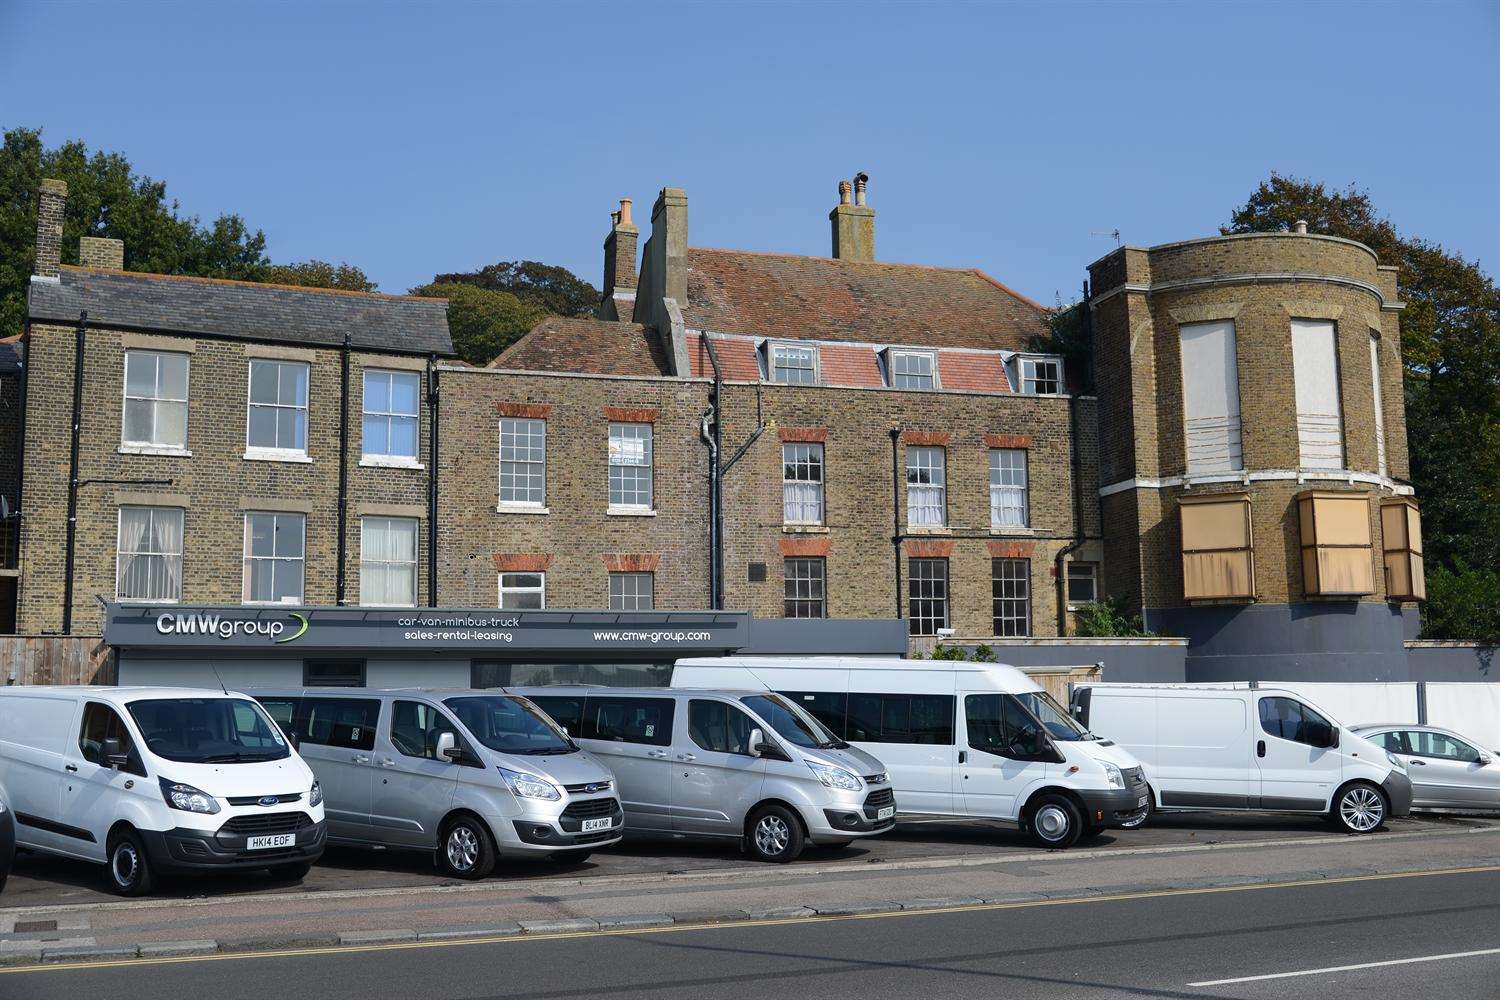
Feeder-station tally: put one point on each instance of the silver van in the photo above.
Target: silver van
(471, 775)
(743, 765)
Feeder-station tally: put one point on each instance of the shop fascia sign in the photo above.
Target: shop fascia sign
(215, 625)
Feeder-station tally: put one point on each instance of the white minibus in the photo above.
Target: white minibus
(1248, 749)
(958, 739)
(154, 781)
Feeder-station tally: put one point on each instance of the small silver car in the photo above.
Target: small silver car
(748, 766)
(470, 775)
(1447, 770)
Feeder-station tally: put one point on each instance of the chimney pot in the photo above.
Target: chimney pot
(844, 193)
(853, 225)
(1300, 226)
(624, 218)
(860, 180)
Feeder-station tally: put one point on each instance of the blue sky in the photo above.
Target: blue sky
(415, 139)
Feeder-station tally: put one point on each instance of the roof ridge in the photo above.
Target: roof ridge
(239, 282)
(837, 260)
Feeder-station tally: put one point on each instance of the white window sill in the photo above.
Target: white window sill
(154, 449)
(391, 462)
(275, 455)
(928, 529)
(519, 508)
(272, 604)
(805, 529)
(1011, 530)
(147, 600)
(631, 512)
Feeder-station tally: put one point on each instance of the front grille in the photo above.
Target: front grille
(590, 809)
(257, 826)
(877, 779)
(1133, 776)
(879, 799)
(254, 800)
(589, 787)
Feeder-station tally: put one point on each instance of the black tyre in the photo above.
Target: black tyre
(1054, 821)
(1359, 807)
(466, 849)
(775, 834)
(571, 857)
(128, 867)
(1144, 817)
(293, 872)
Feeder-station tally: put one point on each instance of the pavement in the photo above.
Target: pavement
(629, 891)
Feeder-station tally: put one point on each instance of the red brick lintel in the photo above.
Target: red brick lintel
(1008, 440)
(804, 435)
(804, 547)
(1012, 550)
(939, 438)
(929, 549)
(632, 562)
(522, 562)
(532, 411)
(631, 415)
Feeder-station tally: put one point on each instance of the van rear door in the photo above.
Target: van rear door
(34, 733)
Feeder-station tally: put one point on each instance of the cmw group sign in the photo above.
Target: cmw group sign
(209, 623)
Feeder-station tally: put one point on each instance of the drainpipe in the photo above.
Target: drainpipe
(896, 515)
(78, 338)
(1059, 570)
(712, 433)
(343, 544)
(432, 480)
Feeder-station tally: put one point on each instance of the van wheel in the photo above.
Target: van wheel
(571, 857)
(1054, 821)
(294, 872)
(129, 872)
(775, 835)
(466, 849)
(1360, 808)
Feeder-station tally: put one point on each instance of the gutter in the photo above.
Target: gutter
(432, 480)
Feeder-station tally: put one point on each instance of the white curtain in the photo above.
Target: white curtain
(132, 583)
(167, 532)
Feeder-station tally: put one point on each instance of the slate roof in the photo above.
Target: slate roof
(243, 310)
(821, 298)
(593, 346)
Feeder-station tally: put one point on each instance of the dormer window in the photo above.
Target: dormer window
(793, 364)
(1040, 376)
(912, 369)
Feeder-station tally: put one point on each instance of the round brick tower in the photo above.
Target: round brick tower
(1253, 453)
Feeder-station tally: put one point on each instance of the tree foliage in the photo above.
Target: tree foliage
(320, 274)
(1450, 342)
(551, 288)
(483, 322)
(1109, 619)
(1463, 603)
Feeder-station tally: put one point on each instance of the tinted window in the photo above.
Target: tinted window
(333, 673)
(714, 725)
(999, 725)
(489, 674)
(347, 723)
(827, 707)
(100, 723)
(283, 711)
(1424, 744)
(415, 729)
(1394, 742)
(791, 723)
(1291, 720)
(510, 725)
(1060, 725)
(629, 720)
(900, 718)
(208, 730)
(566, 711)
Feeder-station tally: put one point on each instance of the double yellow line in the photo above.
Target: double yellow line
(731, 925)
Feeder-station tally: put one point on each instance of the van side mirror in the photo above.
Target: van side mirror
(757, 742)
(112, 753)
(447, 748)
(1485, 760)
(1331, 737)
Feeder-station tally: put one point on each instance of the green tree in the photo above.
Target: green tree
(1463, 603)
(1450, 342)
(551, 288)
(482, 322)
(1109, 619)
(320, 274)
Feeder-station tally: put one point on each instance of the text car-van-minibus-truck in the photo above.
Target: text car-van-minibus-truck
(958, 739)
(156, 781)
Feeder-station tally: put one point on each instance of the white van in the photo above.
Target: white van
(1248, 749)
(153, 781)
(958, 739)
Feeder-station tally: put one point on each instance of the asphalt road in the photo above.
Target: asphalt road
(1443, 928)
(42, 881)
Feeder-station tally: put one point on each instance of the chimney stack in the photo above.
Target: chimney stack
(96, 251)
(52, 199)
(620, 277)
(1300, 227)
(853, 225)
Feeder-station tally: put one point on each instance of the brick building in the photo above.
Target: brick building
(787, 435)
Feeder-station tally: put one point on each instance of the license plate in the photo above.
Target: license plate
(591, 825)
(1140, 803)
(885, 813)
(266, 843)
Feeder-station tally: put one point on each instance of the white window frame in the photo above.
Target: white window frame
(154, 446)
(1026, 370)
(1000, 490)
(1093, 576)
(1378, 395)
(812, 349)
(366, 563)
(633, 577)
(791, 458)
(247, 575)
(120, 552)
(916, 463)
(797, 587)
(649, 465)
(540, 589)
(1319, 394)
(893, 359)
(390, 458)
(530, 469)
(272, 453)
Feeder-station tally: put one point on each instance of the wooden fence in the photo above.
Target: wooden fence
(55, 659)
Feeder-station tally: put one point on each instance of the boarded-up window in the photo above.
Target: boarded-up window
(1336, 556)
(1217, 561)
(1320, 421)
(1379, 400)
(1211, 398)
(1401, 531)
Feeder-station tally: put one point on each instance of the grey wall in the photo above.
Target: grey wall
(827, 636)
(1125, 660)
(241, 673)
(1453, 662)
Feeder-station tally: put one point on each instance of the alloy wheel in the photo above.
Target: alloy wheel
(772, 836)
(1362, 809)
(463, 848)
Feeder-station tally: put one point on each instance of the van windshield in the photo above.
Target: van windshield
(791, 723)
(208, 730)
(1059, 724)
(510, 725)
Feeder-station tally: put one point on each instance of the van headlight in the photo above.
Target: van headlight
(529, 786)
(835, 777)
(1112, 775)
(315, 797)
(1396, 762)
(187, 798)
